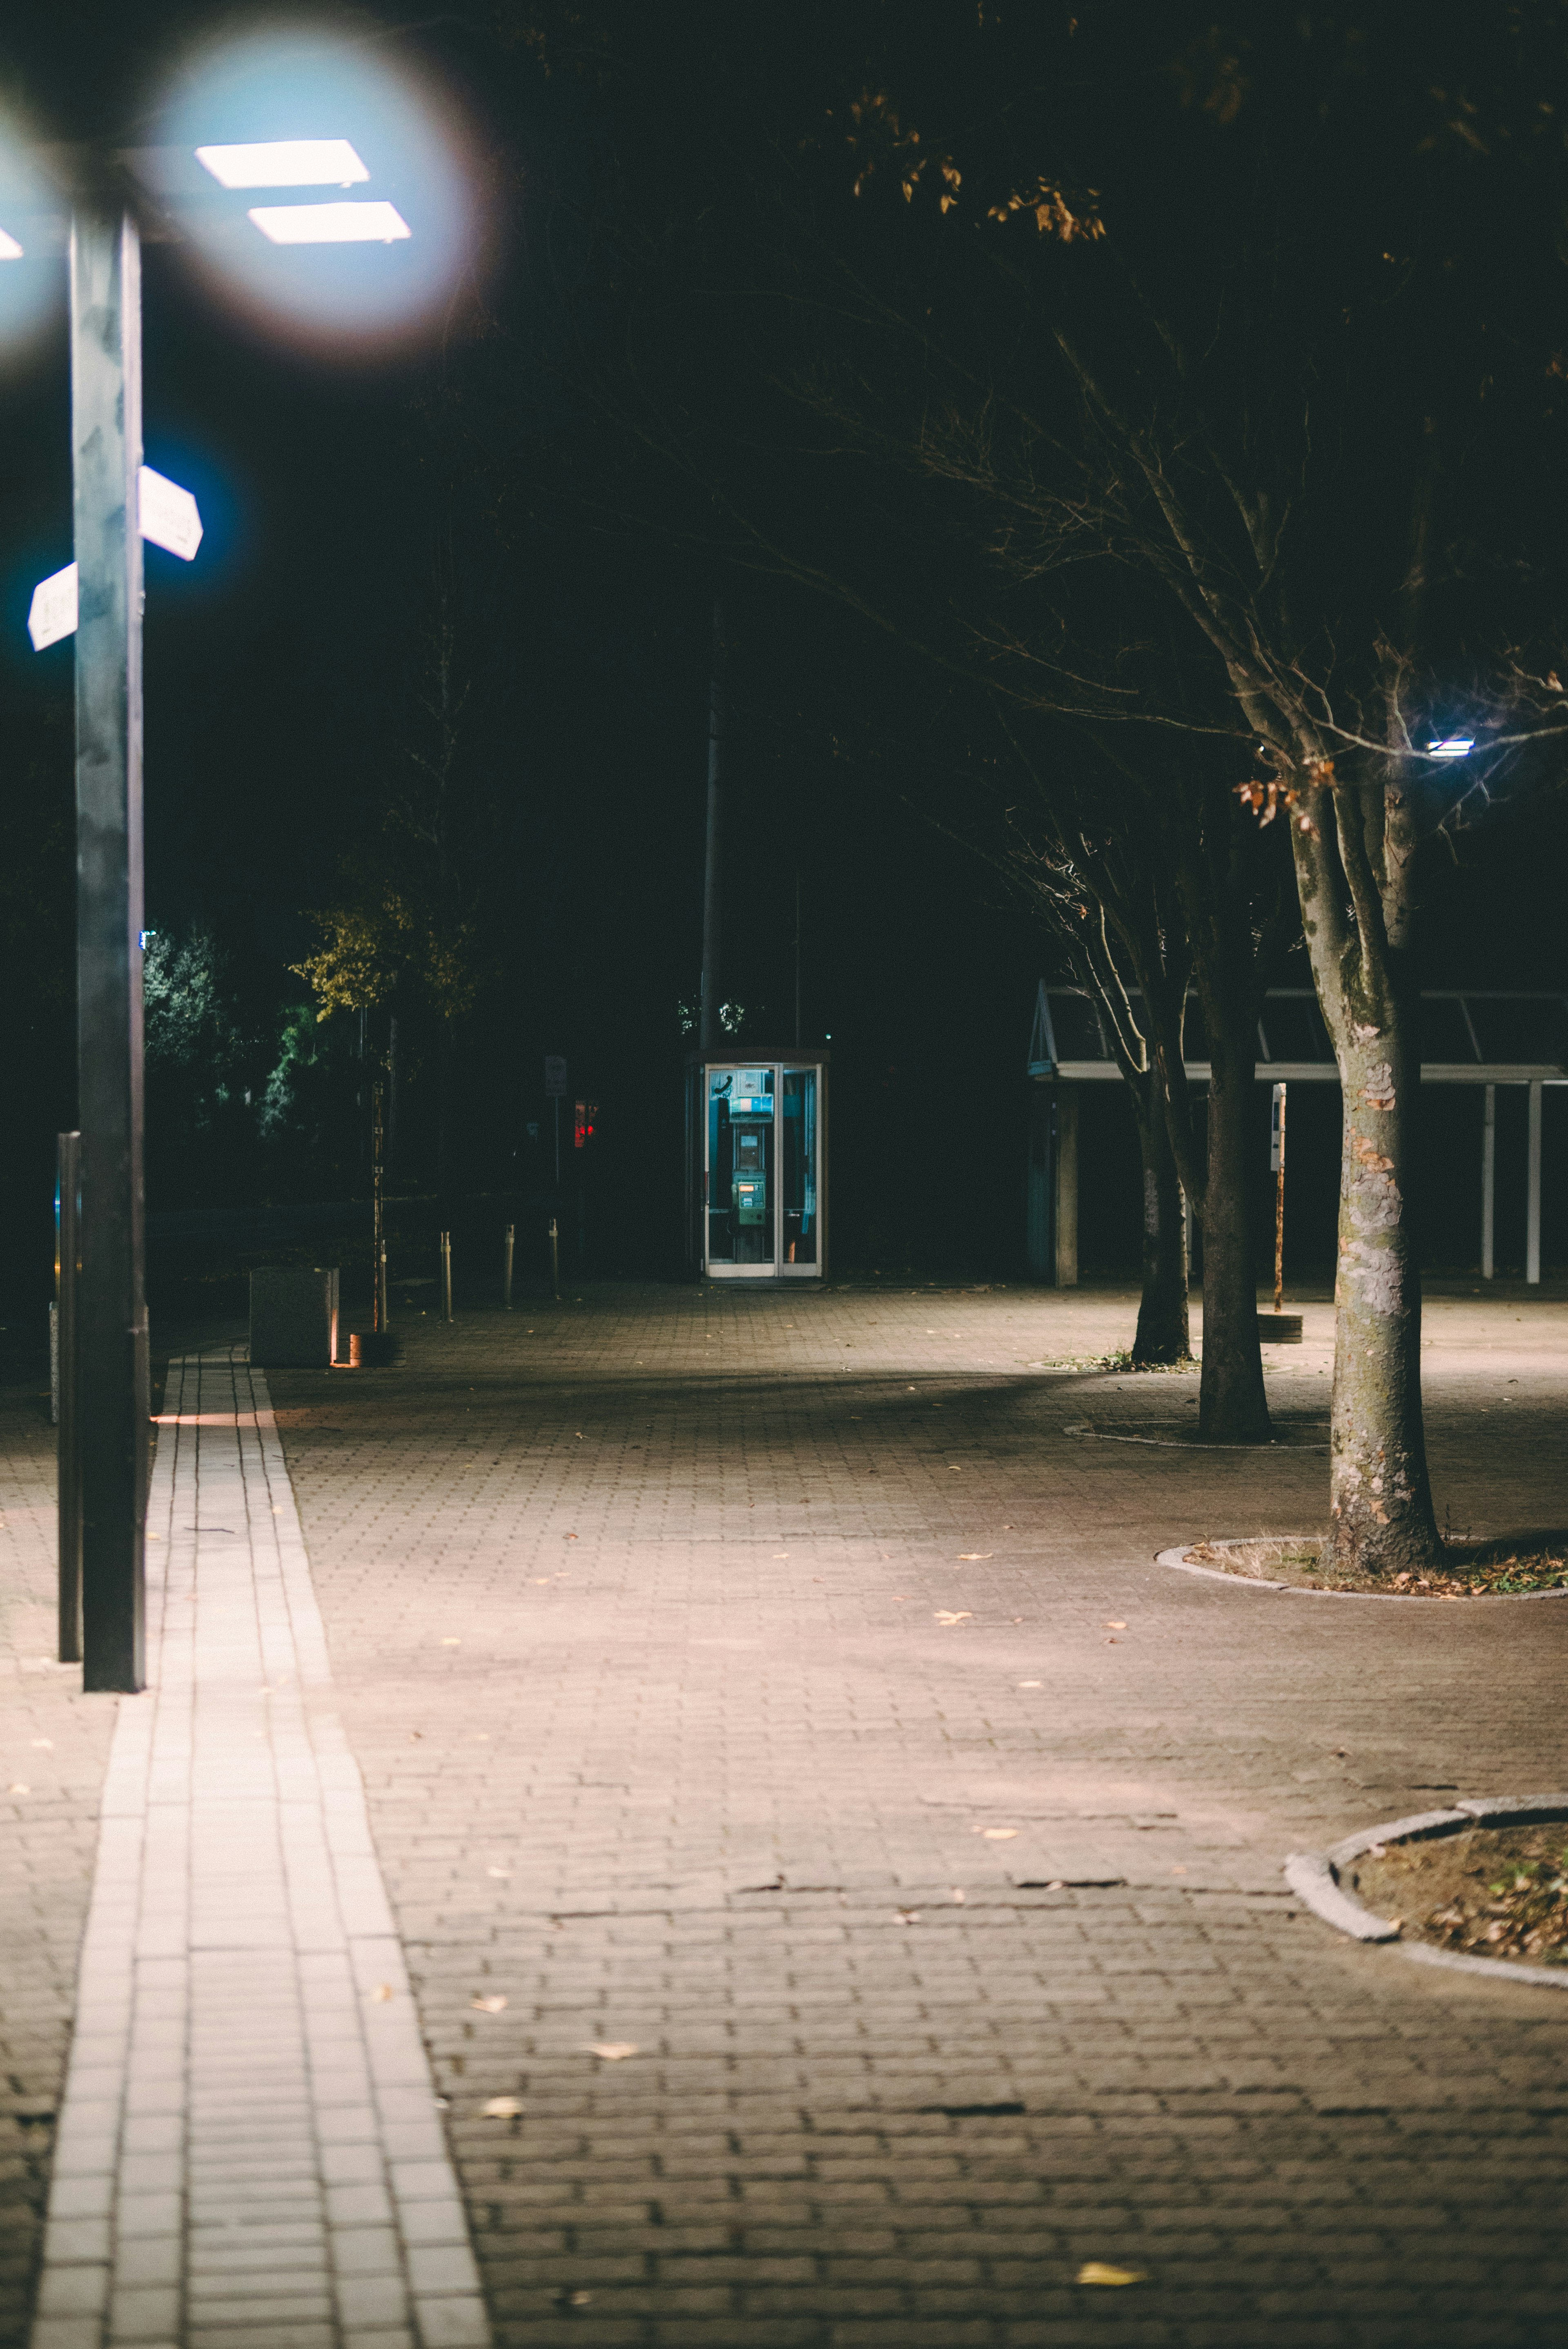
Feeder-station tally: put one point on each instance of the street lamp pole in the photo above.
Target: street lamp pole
(112, 1359)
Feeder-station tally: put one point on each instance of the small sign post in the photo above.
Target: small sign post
(1276, 1164)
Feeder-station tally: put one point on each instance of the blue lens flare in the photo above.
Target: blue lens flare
(287, 88)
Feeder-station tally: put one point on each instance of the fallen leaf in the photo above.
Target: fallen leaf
(957, 1893)
(451, 1643)
(487, 2005)
(612, 2050)
(504, 1872)
(16, 1788)
(956, 1468)
(1097, 2271)
(907, 1916)
(1056, 1885)
(1112, 1624)
(502, 2108)
(998, 1834)
(968, 1557)
(44, 1744)
(382, 1993)
(1031, 1684)
(944, 1615)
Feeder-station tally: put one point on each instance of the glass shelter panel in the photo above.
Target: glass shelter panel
(797, 1169)
(741, 1201)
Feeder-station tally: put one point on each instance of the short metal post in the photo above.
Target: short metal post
(68, 1249)
(507, 1252)
(1532, 1192)
(446, 1275)
(1489, 1185)
(555, 1261)
(1277, 1156)
(378, 1237)
(111, 1313)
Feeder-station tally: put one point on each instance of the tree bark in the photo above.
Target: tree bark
(1232, 1406)
(1382, 1520)
(1163, 1332)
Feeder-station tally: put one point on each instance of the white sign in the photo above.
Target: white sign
(168, 517)
(554, 1077)
(53, 611)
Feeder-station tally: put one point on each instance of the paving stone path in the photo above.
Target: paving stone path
(800, 1795)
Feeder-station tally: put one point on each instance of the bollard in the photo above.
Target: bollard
(68, 1257)
(380, 1316)
(447, 1275)
(555, 1261)
(507, 1247)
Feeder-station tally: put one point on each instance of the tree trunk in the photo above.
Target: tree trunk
(1382, 1520)
(1163, 1334)
(1232, 1407)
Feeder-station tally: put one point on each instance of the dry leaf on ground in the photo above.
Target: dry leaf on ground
(505, 1872)
(944, 1615)
(382, 1993)
(1098, 2272)
(504, 2108)
(612, 2050)
(969, 1556)
(488, 2005)
(1112, 1624)
(998, 1834)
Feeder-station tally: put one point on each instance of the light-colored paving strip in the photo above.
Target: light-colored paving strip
(250, 2150)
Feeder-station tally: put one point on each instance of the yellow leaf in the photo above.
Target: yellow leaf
(612, 2050)
(1097, 2271)
(502, 2108)
(488, 2005)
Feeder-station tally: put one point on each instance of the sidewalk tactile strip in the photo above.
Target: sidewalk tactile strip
(249, 2144)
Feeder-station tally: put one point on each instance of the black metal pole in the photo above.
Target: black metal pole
(111, 1315)
(378, 1217)
(68, 1461)
(712, 910)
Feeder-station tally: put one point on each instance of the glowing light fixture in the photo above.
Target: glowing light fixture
(9, 248)
(330, 223)
(1452, 746)
(284, 163)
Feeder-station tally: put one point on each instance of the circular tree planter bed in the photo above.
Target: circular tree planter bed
(1481, 1888)
(1294, 1563)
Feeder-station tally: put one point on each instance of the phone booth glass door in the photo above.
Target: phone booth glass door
(762, 1151)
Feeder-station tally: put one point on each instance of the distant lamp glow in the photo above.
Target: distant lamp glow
(1452, 746)
(284, 163)
(330, 223)
(9, 248)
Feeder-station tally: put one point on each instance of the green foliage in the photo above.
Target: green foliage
(191, 1026)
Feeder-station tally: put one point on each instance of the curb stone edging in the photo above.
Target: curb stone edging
(1178, 1559)
(1313, 1878)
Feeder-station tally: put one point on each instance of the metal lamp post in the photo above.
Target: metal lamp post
(115, 503)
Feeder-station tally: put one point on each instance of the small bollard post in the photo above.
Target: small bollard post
(507, 1248)
(67, 1255)
(446, 1275)
(555, 1261)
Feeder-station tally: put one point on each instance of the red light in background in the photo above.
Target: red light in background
(584, 1127)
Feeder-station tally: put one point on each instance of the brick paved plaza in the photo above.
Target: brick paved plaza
(781, 1687)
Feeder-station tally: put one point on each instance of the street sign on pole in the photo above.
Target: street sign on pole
(111, 1317)
(53, 611)
(554, 1077)
(169, 517)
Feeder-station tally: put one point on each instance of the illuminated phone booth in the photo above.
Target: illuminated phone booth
(757, 1165)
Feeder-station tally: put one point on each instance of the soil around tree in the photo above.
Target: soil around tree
(1483, 1892)
(1494, 1570)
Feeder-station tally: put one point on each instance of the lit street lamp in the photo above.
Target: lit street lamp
(223, 123)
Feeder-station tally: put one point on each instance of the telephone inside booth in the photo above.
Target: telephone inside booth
(755, 1166)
